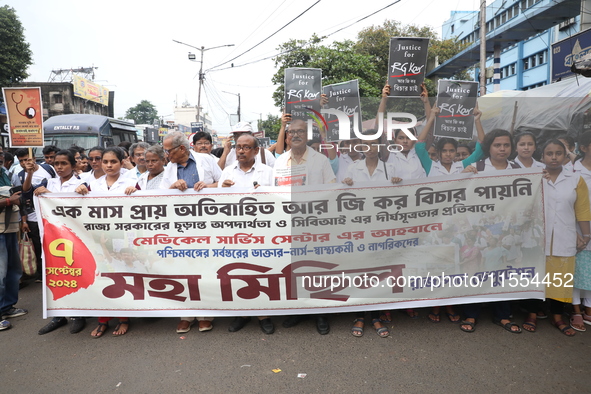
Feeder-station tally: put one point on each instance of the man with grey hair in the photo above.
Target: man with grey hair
(137, 154)
(187, 168)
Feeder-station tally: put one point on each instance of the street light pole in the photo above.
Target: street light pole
(201, 75)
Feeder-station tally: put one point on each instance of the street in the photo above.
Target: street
(419, 356)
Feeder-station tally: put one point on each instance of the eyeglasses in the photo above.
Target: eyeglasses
(298, 132)
(245, 148)
(167, 151)
(95, 158)
(206, 143)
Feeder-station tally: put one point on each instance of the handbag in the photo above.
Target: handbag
(27, 252)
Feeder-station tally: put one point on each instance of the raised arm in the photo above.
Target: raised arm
(428, 129)
(224, 156)
(285, 119)
(479, 129)
(384, 153)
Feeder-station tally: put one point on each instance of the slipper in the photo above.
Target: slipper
(564, 329)
(100, 330)
(382, 331)
(577, 319)
(508, 326)
(541, 315)
(434, 317)
(386, 317)
(468, 323)
(453, 317)
(118, 327)
(587, 319)
(412, 313)
(357, 331)
(531, 323)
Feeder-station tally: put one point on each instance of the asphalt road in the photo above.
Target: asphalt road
(419, 356)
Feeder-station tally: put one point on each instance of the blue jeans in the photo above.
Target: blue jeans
(11, 271)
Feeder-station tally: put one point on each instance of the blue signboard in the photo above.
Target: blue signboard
(567, 51)
(196, 127)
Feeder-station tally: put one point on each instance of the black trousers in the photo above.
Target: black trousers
(501, 310)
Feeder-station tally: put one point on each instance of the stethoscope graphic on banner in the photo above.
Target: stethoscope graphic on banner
(29, 112)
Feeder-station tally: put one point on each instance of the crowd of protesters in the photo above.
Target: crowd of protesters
(242, 162)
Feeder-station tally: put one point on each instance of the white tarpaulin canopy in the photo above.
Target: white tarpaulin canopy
(546, 111)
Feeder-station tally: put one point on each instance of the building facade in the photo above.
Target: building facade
(187, 114)
(519, 34)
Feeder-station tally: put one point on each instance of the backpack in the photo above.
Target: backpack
(480, 165)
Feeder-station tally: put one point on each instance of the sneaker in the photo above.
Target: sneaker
(14, 312)
(5, 325)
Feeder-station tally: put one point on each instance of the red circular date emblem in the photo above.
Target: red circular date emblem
(69, 265)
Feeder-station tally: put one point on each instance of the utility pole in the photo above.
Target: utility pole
(235, 94)
(201, 75)
(482, 48)
(200, 84)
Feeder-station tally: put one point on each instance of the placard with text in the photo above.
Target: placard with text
(456, 101)
(407, 64)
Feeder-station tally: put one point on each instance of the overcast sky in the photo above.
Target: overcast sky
(131, 43)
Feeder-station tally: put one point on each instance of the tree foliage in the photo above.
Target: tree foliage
(375, 41)
(271, 126)
(338, 61)
(143, 113)
(15, 54)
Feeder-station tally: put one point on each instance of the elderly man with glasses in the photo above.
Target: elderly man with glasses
(228, 157)
(188, 170)
(247, 173)
(302, 166)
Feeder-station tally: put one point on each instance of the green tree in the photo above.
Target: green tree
(143, 113)
(374, 41)
(338, 61)
(271, 126)
(16, 56)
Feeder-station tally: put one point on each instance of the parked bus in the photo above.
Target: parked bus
(87, 130)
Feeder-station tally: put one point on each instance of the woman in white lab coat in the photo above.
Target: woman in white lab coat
(566, 203)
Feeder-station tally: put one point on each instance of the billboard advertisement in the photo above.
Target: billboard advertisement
(89, 90)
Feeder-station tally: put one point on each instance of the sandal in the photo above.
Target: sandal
(530, 324)
(453, 317)
(434, 317)
(587, 319)
(412, 313)
(357, 331)
(577, 320)
(468, 323)
(382, 331)
(508, 326)
(565, 328)
(118, 327)
(386, 317)
(99, 330)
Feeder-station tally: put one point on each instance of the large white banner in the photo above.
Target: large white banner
(280, 250)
